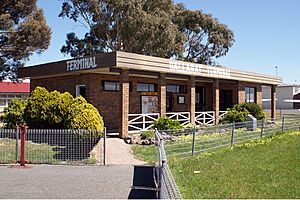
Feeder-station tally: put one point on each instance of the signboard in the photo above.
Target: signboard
(81, 64)
(149, 93)
(198, 69)
(149, 104)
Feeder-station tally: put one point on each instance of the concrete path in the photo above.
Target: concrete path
(119, 153)
(64, 182)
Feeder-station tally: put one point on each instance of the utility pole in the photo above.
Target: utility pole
(276, 68)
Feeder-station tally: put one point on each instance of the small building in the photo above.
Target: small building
(131, 90)
(283, 92)
(10, 90)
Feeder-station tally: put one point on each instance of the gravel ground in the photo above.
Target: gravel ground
(64, 182)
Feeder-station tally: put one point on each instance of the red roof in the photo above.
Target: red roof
(11, 87)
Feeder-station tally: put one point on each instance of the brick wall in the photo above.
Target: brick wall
(107, 102)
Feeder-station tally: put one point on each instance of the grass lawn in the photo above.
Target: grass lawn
(269, 168)
(147, 153)
(35, 153)
(203, 142)
(39, 153)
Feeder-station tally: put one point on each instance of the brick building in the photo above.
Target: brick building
(132, 90)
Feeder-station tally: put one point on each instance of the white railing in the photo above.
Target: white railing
(183, 117)
(205, 118)
(141, 122)
(221, 114)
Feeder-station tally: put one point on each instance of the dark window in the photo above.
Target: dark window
(250, 94)
(176, 88)
(110, 86)
(146, 87)
(81, 90)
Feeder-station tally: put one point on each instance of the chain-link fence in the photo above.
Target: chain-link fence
(45, 146)
(167, 188)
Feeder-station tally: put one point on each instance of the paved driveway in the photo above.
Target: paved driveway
(63, 182)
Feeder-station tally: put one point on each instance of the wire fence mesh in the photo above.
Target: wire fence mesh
(167, 188)
(8, 145)
(190, 141)
(53, 146)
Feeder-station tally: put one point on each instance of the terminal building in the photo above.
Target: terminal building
(131, 90)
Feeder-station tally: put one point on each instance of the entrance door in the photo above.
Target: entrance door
(225, 99)
(169, 102)
(200, 97)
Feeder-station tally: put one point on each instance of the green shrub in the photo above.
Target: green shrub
(165, 123)
(255, 110)
(235, 114)
(36, 111)
(58, 106)
(83, 115)
(147, 134)
(14, 113)
(239, 113)
(61, 111)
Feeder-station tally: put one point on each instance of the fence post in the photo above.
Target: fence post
(17, 143)
(144, 122)
(161, 168)
(232, 133)
(193, 142)
(23, 138)
(282, 126)
(262, 128)
(104, 146)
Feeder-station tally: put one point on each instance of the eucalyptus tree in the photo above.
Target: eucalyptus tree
(207, 38)
(156, 28)
(23, 31)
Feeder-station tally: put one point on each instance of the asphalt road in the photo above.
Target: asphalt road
(64, 182)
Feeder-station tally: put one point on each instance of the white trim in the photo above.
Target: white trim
(77, 89)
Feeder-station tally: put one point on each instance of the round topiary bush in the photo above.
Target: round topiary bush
(83, 115)
(57, 110)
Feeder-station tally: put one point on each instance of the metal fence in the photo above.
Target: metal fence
(188, 142)
(167, 188)
(53, 146)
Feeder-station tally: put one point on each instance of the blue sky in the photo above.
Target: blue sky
(267, 34)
